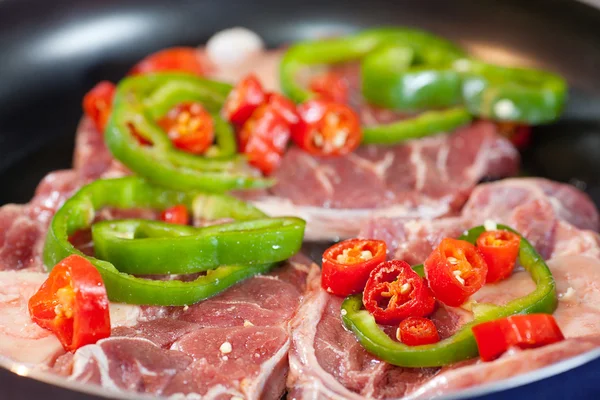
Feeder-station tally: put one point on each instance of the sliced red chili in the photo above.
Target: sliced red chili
(455, 270)
(175, 59)
(284, 107)
(190, 127)
(347, 265)
(327, 128)
(330, 86)
(176, 215)
(523, 331)
(241, 102)
(97, 104)
(394, 292)
(416, 331)
(72, 303)
(500, 250)
(264, 138)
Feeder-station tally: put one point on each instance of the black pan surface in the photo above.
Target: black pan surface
(52, 52)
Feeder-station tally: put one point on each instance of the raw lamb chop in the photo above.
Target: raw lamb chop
(234, 344)
(326, 360)
(426, 178)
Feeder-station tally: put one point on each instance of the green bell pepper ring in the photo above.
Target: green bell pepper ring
(511, 94)
(79, 212)
(139, 100)
(395, 53)
(400, 68)
(424, 124)
(398, 78)
(461, 345)
(148, 247)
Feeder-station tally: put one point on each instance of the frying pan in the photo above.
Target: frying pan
(52, 52)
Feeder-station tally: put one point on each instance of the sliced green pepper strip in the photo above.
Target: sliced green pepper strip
(461, 345)
(511, 94)
(132, 192)
(147, 247)
(402, 57)
(424, 124)
(139, 100)
(398, 78)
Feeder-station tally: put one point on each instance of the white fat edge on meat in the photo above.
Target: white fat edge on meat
(215, 392)
(85, 354)
(231, 47)
(490, 151)
(327, 223)
(255, 388)
(303, 359)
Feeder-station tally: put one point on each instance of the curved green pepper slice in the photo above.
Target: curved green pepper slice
(425, 124)
(511, 94)
(79, 212)
(148, 247)
(461, 345)
(401, 69)
(399, 78)
(140, 100)
(398, 52)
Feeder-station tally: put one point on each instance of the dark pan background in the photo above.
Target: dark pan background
(53, 51)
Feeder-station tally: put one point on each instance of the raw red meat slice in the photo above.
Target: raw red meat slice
(426, 178)
(538, 208)
(235, 344)
(327, 362)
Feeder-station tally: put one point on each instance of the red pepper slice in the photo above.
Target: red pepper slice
(264, 138)
(175, 59)
(500, 250)
(97, 104)
(241, 102)
(395, 292)
(284, 107)
(416, 331)
(327, 128)
(455, 270)
(72, 303)
(347, 265)
(523, 331)
(190, 127)
(330, 86)
(176, 215)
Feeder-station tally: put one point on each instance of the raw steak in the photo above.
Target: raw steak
(326, 360)
(234, 345)
(169, 351)
(555, 217)
(426, 178)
